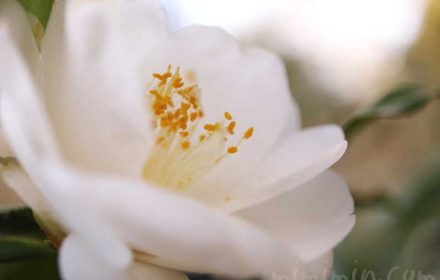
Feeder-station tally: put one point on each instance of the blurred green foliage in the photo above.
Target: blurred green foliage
(44, 268)
(24, 249)
(397, 235)
(21, 238)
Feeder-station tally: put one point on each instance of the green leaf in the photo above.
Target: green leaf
(41, 268)
(39, 8)
(25, 252)
(15, 248)
(402, 100)
(21, 238)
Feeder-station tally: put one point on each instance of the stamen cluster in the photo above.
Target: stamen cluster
(177, 112)
(185, 147)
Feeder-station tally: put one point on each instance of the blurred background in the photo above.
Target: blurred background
(372, 66)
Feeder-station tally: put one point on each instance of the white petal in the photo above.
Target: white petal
(24, 124)
(142, 23)
(143, 271)
(27, 130)
(78, 261)
(14, 18)
(322, 266)
(313, 217)
(163, 228)
(93, 90)
(23, 119)
(319, 268)
(251, 84)
(296, 159)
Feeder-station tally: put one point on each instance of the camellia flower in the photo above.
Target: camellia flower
(145, 153)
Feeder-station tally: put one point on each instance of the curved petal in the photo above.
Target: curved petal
(23, 122)
(322, 266)
(313, 217)
(28, 132)
(156, 224)
(93, 90)
(296, 159)
(23, 119)
(78, 261)
(141, 21)
(13, 16)
(14, 19)
(142, 24)
(249, 83)
(319, 269)
(142, 271)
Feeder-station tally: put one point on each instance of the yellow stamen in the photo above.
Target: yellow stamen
(228, 116)
(160, 140)
(210, 127)
(193, 116)
(231, 127)
(248, 134)
(178, 157)
(185, 145)
(157, 76)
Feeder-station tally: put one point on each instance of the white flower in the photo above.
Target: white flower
(135, 194)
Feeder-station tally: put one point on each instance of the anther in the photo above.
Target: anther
(178, 112)
(193, 116)
(228, 116)
(231, 128)
(248, 134)
(210, 127)
(185, 145)
(157, 76)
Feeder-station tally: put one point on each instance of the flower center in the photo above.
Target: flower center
(185, 146)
